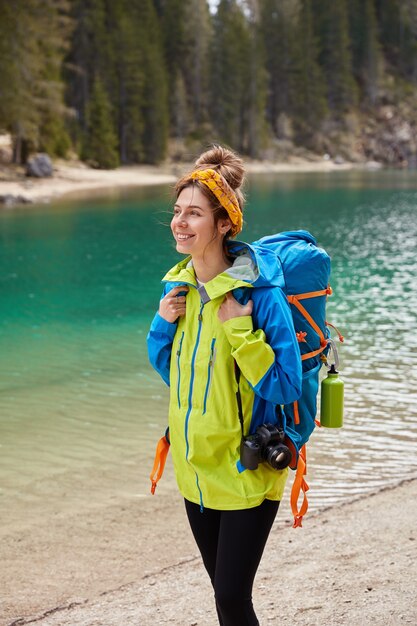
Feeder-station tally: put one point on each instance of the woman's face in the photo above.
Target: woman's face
(193, 224)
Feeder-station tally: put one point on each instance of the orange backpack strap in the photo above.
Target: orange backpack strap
(299, 485)
(339, 334)
(295, 300)
(296, 413)
(161, 454)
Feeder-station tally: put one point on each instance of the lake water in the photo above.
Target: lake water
(81, 410)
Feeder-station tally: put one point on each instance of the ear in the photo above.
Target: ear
(224, 226)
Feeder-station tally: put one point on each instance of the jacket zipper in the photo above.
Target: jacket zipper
(190, 396)
(179, 370)
(209, 374)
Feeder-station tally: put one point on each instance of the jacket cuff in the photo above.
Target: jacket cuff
(237, 328)
(162, 326)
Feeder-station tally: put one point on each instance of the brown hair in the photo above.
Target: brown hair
(230, 166)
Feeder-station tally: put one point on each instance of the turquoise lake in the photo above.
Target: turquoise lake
(80, 407)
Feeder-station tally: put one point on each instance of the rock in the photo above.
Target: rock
(373, 165)
(6, 148)
(338, 160)
(385, 113)
(412, 164)
(404, 133)
(284, 127)
(5, 155)
(39, 166)
(9, 200)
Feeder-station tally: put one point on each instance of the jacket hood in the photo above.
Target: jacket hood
(252, 267)
(266, 268)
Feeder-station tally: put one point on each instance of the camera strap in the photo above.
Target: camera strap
(239, 397)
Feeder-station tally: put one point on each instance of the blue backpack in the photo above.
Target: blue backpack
(305, 281)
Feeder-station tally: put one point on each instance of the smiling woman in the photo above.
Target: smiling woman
(228, 367)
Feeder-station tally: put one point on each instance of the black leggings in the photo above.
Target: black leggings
(231, 544)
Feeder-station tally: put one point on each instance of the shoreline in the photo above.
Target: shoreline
(80, 179)
(131, 564)
(68, 180)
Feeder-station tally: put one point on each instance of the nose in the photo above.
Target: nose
(180, 220)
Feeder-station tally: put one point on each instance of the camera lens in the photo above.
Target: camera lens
(278, 456)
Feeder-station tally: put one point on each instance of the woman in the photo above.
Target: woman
(223, 340)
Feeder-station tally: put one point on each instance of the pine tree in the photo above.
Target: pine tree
(308, 89)
(33, 36)
(195, 62)
(335, 54)
(155, 107)
(366, 54)
(186, 30)
(100, 142)
(155, 110)
(127, 83)
(412, 48)
(257, 87)
(397, 21)
(120, 43)
(230, 74)
(88, 55)
(18, 64)
(173, 29)
(277, 19)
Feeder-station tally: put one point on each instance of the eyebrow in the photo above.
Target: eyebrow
(190, 206)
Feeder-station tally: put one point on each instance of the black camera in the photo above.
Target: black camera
(266, 444)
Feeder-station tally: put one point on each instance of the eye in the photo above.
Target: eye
(195, 213)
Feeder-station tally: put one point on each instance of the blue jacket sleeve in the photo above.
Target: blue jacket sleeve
(159, 340)
(265, 347)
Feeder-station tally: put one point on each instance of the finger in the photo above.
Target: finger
(180, 299)
(249, 307)
(177, 289)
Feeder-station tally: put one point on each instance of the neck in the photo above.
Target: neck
(210, 265)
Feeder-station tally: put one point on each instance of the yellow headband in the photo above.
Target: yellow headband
(227, 198)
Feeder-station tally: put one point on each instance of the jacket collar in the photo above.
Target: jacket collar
(242, 273)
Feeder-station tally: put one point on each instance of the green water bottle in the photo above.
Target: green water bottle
(331, 405)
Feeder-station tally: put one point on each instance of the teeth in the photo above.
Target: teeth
(183, 237)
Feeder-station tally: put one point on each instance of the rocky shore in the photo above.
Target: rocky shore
(75, 179)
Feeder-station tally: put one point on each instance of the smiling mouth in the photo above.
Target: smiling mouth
(183, 237)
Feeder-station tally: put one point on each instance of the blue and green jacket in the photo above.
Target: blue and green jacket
(196, 357)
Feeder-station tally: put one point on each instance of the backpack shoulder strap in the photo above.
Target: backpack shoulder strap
(300, 484)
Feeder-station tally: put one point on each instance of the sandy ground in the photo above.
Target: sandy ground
(69, 179)
(73, 179)
(137, 564)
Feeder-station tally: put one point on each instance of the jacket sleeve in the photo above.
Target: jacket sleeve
(160, 337)
(268, 356)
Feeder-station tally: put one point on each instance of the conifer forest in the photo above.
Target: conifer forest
(129, 81)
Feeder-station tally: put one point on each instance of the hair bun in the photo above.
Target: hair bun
(224, 161)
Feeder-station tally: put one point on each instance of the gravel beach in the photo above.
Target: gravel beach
(355, 563)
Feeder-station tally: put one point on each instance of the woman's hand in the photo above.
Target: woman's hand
(230, 308)
(172, 306)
